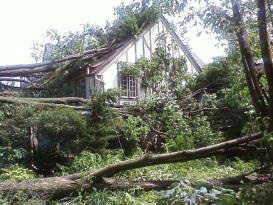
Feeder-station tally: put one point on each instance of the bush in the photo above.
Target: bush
(16, 172)
(58, 131)
(258, 194)
(10, 156)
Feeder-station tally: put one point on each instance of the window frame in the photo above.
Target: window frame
(129, 84)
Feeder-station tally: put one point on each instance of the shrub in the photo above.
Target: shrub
(16, 172)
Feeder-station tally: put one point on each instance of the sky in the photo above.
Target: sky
(26, 21)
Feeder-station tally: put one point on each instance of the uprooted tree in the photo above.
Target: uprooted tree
(261, 93)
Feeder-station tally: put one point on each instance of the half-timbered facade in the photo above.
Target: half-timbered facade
(105, 73)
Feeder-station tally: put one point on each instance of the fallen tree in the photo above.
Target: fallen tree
(34, 67)
(51, 102)
(64, 100)
(62, 186)
(233, 182)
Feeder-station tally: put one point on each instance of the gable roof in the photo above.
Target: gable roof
(120, 47)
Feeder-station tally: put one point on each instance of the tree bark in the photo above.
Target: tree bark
(67, 58)
(62, 186)
(248, 60)
(61, 102)
(227, 182)
(24, 71)
(266, 52)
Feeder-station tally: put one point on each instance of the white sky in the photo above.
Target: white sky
(25, 21)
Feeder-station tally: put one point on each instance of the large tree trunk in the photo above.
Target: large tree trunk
(248, 60)
(30, 69)
(64, 100)
(266, 53)
(76, 56)
(235, 182)
(51, 102)
(61, 186)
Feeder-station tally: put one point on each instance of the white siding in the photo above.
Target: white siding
(154, 35)
(110, 77)
(147, 45)
(139, 46)
(161, 27)
(123, 58)
(189, 66)
(131, 53)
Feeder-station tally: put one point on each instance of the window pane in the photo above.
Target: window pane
(123, 85)
(132, 86)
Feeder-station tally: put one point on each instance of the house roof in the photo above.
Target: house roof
(107, 59)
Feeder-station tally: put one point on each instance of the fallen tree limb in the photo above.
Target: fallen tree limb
(227, 182)
(47, 63)
(56, 101)
(42, 82)
(64, 100)
(53, 102)
(24, 71)
(61, 186)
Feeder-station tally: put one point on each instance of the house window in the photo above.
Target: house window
(129, 85)
(80, 88)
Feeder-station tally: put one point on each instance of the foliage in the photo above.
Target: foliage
(170, 115)
(93, 36)
(22, 198)
(16, 172)
(164, 111)
(198, 169)
(10, 156)
(130, 24)
(103, 122)
(258, 194)
(131, 133)
(201, 192)
(89, 161)
(131, 197)
(179, 130)
(90, 37)
(15, 122)
(63, 125)
(162, 71)
(222, 87)
(57, 131)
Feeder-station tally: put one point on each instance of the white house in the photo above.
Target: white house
(104, 72)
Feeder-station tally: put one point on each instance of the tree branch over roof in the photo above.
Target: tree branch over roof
(67, 58)
(30, 69)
